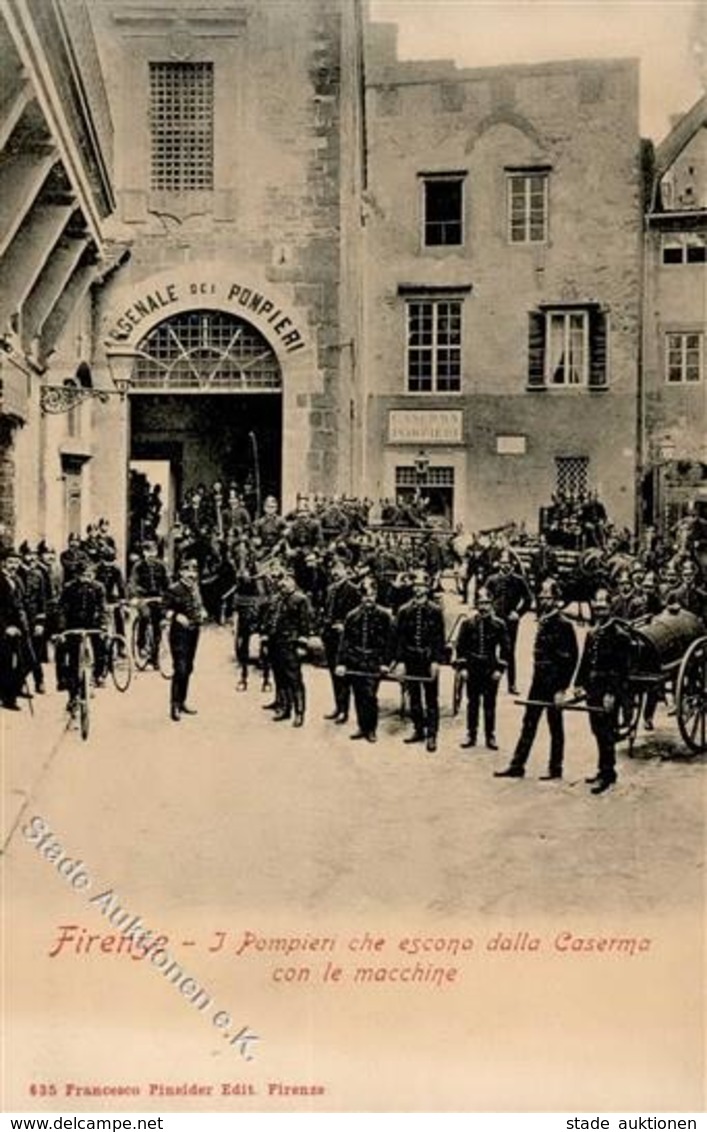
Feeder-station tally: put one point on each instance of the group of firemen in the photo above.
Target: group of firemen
(376, 604)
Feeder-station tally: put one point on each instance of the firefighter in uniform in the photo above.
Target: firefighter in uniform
(184, 610)
(82, 605)
(602, 676)
(149, 579)
(289, 629)
(15, 642)
(366, 649)
(483, 650)
(420, 646)
(555, 655)
(342, 597)
(511, 599)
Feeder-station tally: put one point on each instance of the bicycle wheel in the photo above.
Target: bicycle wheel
(119, 663)
(141, 652)
(84, 716)
(164, 656)
(458, 691)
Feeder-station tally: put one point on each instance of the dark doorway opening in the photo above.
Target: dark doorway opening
(234, 438)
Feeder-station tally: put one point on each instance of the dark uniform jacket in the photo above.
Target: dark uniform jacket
(605, 659)
(367, 639)
(12, 607)
(111, 578)
(269, 529)
(82, 605)
(34, 584)
(341, 598)
(509, 594)
(555, 653)
(149, 578)
(483, 643)
(692, 597)
(419, 632)
(185, 599)
(291, 618)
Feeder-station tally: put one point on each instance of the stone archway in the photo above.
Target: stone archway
(206, 398)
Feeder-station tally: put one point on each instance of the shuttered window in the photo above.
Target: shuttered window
(567, 348)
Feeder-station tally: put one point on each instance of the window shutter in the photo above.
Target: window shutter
(536, 350)
(598, 349)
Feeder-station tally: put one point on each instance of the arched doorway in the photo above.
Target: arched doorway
(205, 405)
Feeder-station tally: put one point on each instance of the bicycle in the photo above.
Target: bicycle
(81, 704)
(143, 646)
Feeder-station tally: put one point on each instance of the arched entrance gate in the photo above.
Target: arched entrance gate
(205, 405)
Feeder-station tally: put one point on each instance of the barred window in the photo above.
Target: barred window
(407, 476)
(434, 342)
(683, 357)
(182, 125)
(571, 475)
(527, 207)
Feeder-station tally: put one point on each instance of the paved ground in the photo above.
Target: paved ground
(228, 822)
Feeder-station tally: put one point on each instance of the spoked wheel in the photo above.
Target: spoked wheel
(164, 656)
(84, 710)
(630, 708)
(458, 690)
(141, 651)
(691, 696)
(119, 663)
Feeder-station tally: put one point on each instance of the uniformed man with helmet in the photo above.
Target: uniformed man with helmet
(420, 647)
(483, 650)
(602, 676)
(555, 655)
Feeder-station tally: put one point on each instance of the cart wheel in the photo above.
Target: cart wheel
(84, 716)
(141, 653)
(691, 696)
(458, 691)
(119, 663)
(630, 708)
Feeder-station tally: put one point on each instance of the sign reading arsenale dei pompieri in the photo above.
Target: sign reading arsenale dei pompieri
(169, 297)
(428, 426)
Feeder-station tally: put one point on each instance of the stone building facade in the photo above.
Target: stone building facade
(310, 267)
(55, 195)
(240, 211)
(503, 233)
(674, 391)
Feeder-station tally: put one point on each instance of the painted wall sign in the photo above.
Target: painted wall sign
(249, 302)
(428, 426)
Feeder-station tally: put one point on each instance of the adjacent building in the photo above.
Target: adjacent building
(503, 283)
(673, 402)
(55, 193)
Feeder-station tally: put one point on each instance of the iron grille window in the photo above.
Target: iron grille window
(434, 345)
(182, 125)
(205, 349)
(432, 477)
(571, 474)
(683, 357)
(443, 211)
(527, 208)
